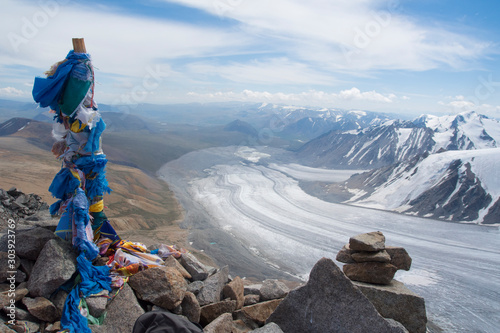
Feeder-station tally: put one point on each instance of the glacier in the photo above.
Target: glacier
(245, 205)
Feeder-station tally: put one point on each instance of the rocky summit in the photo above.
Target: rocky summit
(34, 289)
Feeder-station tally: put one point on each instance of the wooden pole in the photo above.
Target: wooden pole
(79, 45)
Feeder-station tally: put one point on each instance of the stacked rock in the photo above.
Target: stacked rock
(368, 259)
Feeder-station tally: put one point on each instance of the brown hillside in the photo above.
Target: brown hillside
(141, 207)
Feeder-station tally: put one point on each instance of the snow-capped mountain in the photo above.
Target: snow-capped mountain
(316, 123)
(461, 186)
(395, 141)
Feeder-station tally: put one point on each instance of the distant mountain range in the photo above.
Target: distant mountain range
(395, 141)
(439, 167)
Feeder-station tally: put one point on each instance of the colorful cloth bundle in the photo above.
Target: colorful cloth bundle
(81, 183)
(69, 91)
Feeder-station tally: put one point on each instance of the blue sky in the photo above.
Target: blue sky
(407, 57)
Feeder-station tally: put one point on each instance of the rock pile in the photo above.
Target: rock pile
(371, 265)
(32, 297)
(14, 204)
(368, 259)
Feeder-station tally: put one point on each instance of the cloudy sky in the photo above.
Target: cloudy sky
(403, 56)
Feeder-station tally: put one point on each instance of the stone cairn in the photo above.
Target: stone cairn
(368, 259)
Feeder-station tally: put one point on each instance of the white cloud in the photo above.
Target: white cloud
(268, 71)
(351, 35)
(11, 92)
(119, 44)
(460, 103)
(350, 98)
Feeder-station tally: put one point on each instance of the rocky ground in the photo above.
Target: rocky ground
(205, 295)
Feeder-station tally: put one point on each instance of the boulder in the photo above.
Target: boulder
(55, 265)
(213, 286)
(191, 308)
(235, 290)
(396, 301)
(172, 262)
(371, 241)
(268, 328)
(41, 308)
(257, 314)
(97, 304)
(222, 324)
(370, 272)
(251, 299)
(33, 242)
(329, 302)
(162, 286)
(273, 289)
(399, 257)
(197, 270)
(121, 313)
(211, 311)
(379, 256)
(344, 255)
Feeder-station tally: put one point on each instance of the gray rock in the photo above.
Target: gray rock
(344, 255)
(122, 312)
(33, 242)
(363, 256)
(399, 257)
(97, 304)
(253, 289)
(396, 301)
(251, 299)
(370, 272)
(211, 311)
(235, 290)
(58, 300)
(27, 266)
(256, 315)
(172, 262)
(268, 328)
(329, 302)
(163, 286)
(212, 287)
(41, 308)
(56, 265)
(273, 289)
(371, 241)
(222, 324)
(195, 287)
(197, 270)
(191, 308)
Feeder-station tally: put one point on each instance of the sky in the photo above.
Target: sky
(408, 57)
